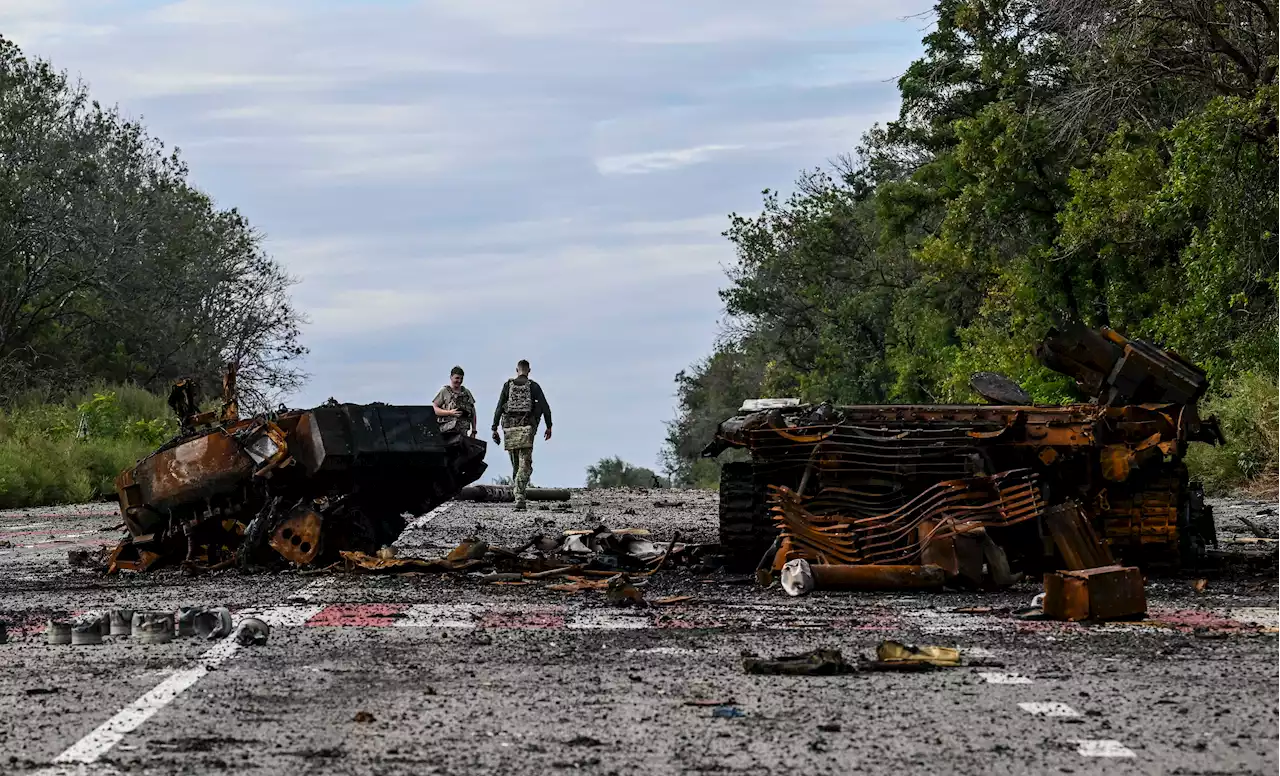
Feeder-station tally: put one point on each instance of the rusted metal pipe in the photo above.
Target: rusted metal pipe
(800, 577)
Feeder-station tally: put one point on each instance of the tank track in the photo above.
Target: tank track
(746, 531)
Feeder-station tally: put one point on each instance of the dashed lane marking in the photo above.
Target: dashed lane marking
(1102, 748)
(1048, 709)
(994, 678)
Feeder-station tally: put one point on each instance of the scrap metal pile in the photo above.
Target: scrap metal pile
(295, 486)
(965, 488)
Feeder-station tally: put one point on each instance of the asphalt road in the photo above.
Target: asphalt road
(431, 674)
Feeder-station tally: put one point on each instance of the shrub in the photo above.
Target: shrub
(1248, 409)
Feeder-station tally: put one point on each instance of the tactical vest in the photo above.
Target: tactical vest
(519, 398)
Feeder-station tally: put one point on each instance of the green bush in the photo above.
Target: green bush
(71, 451)
(617, 473)
(1248, 409)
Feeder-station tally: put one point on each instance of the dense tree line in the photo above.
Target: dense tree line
(113, 267)
(1106, 161)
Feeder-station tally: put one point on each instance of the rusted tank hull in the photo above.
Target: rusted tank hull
(862, 465)
(299, 486)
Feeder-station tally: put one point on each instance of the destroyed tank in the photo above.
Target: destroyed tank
(295, 486)
(883, 476)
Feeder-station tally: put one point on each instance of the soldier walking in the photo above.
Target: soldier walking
(458, 399)
(521, 407)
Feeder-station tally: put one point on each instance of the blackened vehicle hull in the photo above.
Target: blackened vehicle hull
(301, 483)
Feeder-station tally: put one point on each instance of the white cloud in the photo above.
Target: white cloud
(658, 161)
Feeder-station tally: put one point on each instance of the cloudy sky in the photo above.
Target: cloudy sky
(478, 181)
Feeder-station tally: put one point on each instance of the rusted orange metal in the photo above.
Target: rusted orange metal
(297, 538)
(1118, 456)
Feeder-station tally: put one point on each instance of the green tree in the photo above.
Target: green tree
(617, 473)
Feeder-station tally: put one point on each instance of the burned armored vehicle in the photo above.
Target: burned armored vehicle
(882, 484)
(294, 487)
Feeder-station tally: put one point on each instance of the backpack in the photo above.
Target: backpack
(519, 397)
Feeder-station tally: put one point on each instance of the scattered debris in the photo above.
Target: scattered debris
(674, 599)
(668, 504)
(1104, 593)
(622, 592)
(702, 702)
(1254, 527)
(252, 632)
(212, 623)
(87, 630)
(800, 577)
(58, 632)
(727, 712)
(1200, 584)
(362, 717)
(893, 653)
(819, 662)
(829, 727)
(155, 627)
(78, 558)
(4, 632)
(120, 622)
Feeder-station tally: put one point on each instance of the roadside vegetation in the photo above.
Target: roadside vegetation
(617, 473)
(117, 275)
(68, 451)
(1100, 161)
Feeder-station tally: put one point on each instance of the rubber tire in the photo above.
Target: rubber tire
(745, 529)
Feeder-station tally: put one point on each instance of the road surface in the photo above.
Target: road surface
(444, 674)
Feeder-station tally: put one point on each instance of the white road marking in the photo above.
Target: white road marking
(421, 521)
(978, 652)
(1103, 748)
(1049, 709)
(607, 621)
(1256, 615)
(109, 733)
(283, 616)
(440, 616)
(102, 739)
(993, 678)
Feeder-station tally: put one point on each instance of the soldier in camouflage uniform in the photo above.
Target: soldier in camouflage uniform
(521, 408)
(454, 397)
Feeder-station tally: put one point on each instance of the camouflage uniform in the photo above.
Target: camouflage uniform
(521, 407)
(448, 399)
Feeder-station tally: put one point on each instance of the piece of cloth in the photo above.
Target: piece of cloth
(462, 399)
(521, 470)
(518, 416)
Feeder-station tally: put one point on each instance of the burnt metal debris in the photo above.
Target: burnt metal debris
(292, 486)
(967, 487)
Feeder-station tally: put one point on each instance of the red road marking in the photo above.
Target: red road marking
(358, 615)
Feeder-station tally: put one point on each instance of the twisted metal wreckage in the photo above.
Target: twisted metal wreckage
(911, 495)
(299, 486)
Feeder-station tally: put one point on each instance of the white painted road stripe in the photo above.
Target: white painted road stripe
(1049, 709)
(109, 733)
(421, 521)
(1103, 748)
(993, 678)
(103, 738)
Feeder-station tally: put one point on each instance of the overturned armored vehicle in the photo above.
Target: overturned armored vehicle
(884, 484)
(295, 486)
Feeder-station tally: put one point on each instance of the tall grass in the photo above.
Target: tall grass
(1248, 409)
(60, 452)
